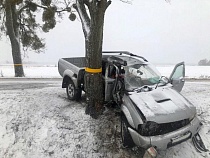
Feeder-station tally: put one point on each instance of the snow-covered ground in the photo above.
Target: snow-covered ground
(47, 71)
(51, 71)
(37, 120)
(199, 72)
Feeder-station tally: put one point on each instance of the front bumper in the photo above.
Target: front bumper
(169, 139)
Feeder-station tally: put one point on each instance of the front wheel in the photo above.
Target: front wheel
(125, 134)
(72, 92)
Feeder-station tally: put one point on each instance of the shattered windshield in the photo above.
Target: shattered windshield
(138, 75)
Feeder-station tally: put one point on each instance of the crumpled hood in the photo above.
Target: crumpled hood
(163, 105)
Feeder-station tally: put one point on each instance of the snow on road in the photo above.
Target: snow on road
(37, 120)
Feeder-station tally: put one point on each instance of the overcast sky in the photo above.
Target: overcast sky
(159, 31)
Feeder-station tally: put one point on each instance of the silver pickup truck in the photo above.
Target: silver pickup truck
(153, 112)
(72, 70)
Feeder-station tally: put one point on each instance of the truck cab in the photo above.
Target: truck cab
(126, 72)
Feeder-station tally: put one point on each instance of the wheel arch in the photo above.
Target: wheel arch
(67, 76)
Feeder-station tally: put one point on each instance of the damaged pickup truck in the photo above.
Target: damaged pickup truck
(153, 112)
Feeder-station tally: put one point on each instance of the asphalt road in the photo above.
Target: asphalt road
(31, 83)
(28, 83)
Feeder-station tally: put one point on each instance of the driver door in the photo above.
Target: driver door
(177, 76)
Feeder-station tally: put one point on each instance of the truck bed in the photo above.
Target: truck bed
(74, 64)
(78, 61)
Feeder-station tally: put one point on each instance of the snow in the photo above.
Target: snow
(47, 71)
(198, 72)
(201, 72)
(37, 120)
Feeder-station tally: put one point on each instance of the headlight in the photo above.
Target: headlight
(149, 129)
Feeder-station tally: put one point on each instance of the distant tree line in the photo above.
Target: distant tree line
(204, 62)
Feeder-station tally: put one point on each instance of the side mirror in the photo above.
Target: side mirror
(165, 79)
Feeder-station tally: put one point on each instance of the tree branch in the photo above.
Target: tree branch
(85, 19)
(87, 3)
(40, 6)
(108, 3)
(67, 3)
(127, 1)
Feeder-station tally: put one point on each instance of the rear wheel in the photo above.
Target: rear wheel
(125, 135)
(72, 92)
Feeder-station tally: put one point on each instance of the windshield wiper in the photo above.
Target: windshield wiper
(161, 79)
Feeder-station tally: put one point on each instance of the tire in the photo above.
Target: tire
(72, 92)
(127, 140)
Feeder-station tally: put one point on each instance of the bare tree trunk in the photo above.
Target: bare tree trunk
(12, 31)
(93, 31)
(94, 85)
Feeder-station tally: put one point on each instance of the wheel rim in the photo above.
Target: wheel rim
(71, 90)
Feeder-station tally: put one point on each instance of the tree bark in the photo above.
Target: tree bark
(12, 31)
(93, 81)
(93, 32)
